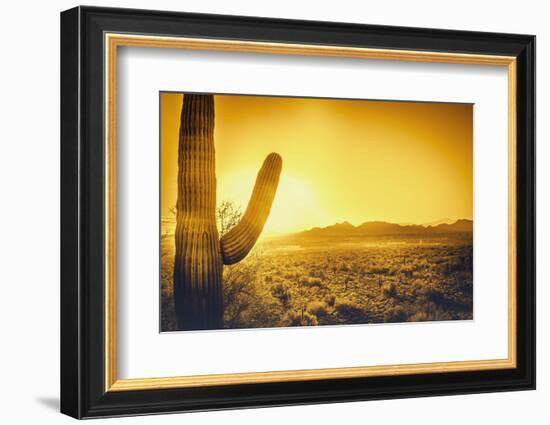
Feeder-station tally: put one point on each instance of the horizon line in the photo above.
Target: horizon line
(432, 223)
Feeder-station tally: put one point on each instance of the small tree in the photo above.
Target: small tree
(227, 216)
(239, 289)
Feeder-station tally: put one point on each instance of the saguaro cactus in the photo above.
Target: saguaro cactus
(200, 254)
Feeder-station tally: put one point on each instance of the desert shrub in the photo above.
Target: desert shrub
(265, 314)
(396, 314)
(239, 292)
(318, 308)
(351, 312)
(436, 296)
(330, 300)
(309, 319)
(316, 273)
(417, 283)
(432, 294)
(392, 271)
(420, 288)
(421, 316)
(311, 282)
(455, 264)
(426, 310)
(239, 281)
(168, 313)
(228, 214)
(293, 318)
(297, 318)
(407, 271)
(434, 312)
(282, 294)
(379, 270)
(389, 290)
(167, 310)
(463, 281)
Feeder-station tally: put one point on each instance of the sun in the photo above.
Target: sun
(295, 207)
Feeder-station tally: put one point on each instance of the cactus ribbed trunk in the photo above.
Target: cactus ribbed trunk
(198, 265)
(200, 254)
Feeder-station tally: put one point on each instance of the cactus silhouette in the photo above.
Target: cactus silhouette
(200, 254)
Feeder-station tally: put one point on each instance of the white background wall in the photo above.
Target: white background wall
(29, 209)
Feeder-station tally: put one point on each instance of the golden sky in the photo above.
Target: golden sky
(343, 160)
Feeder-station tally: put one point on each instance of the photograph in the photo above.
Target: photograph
(290, 211)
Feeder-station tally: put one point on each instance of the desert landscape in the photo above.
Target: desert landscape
(342, 274)
(287, 211)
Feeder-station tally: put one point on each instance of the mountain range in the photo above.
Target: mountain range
(382, 228)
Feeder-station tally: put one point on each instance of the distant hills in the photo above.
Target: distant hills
(382, 228)
(438, 222)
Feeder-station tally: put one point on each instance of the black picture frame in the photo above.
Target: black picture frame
(83, 392)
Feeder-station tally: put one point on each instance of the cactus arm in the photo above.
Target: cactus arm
(238, 242)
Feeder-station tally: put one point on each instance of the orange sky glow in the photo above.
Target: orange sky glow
(343, 160)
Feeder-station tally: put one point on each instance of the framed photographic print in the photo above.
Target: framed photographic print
(261, 212)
